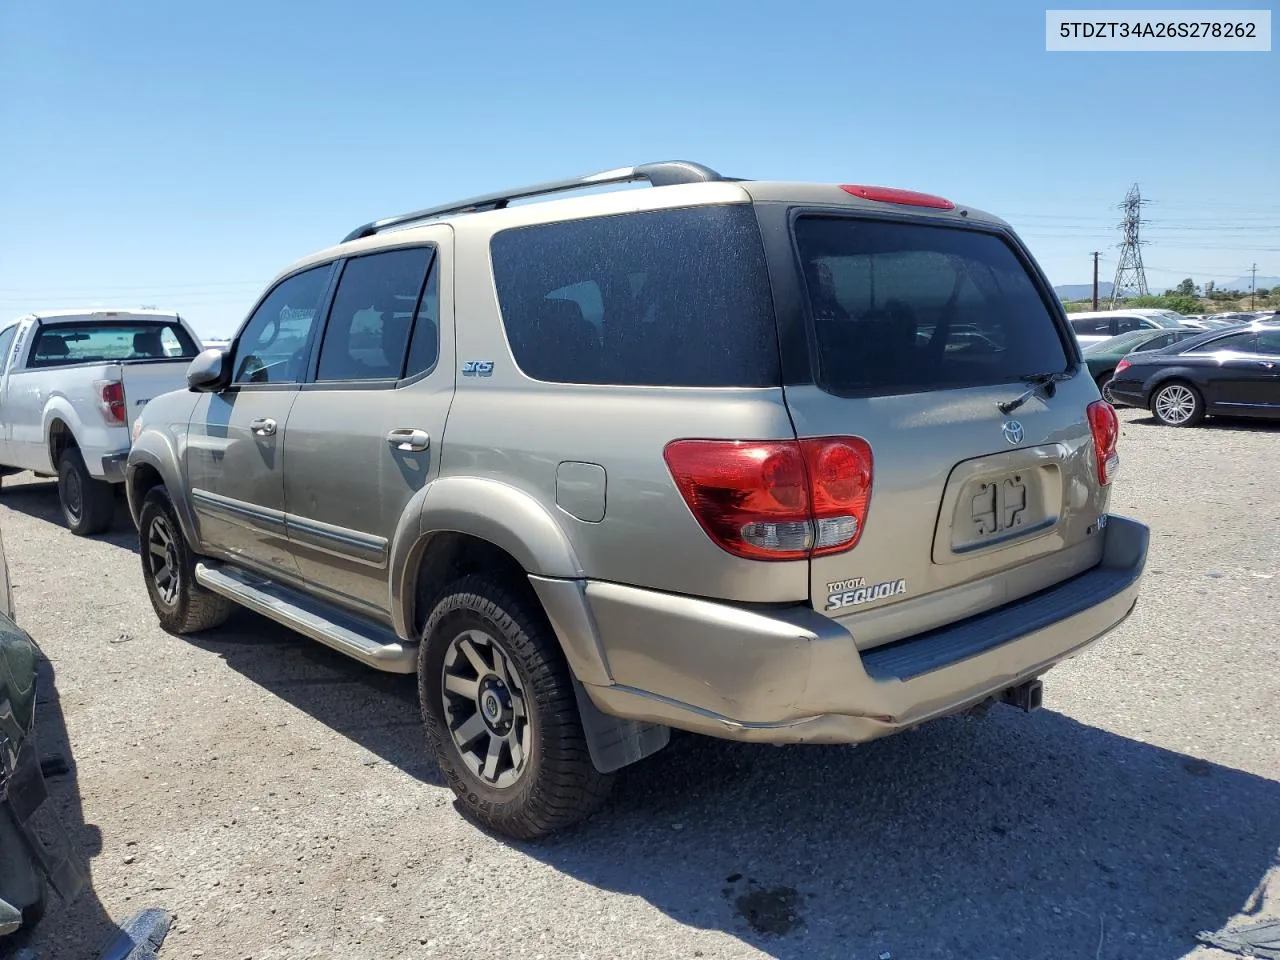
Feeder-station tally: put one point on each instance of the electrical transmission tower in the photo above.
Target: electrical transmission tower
(1130, 274)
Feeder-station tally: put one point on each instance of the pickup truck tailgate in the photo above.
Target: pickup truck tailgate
(144, 380)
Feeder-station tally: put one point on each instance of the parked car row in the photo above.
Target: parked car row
(1232, 372)
(1190, 367)
(1104, 356)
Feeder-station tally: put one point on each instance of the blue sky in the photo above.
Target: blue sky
(180, 154)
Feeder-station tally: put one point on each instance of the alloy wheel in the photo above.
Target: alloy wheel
(1175, 404)
(162, 560)
(484, 707)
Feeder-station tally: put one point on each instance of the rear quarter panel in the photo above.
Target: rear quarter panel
(507, 428)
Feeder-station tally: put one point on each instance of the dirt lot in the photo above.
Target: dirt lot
(277, 797)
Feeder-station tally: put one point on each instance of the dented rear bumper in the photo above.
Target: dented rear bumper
(792, 675)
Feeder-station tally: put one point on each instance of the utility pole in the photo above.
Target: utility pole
(1095, 279)
(1253, 284)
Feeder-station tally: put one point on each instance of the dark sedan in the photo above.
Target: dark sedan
(1102, 358)
(1234, 372)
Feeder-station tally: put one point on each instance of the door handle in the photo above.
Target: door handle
(263, 426)
(409, 439)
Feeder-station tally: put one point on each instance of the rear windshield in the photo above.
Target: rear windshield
(675, 298)
(902, 308)
(68, 343)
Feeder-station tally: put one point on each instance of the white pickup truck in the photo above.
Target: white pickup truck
(71, 385)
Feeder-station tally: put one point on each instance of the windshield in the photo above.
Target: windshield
(908, 307)
(67, 343)
(1167, 320)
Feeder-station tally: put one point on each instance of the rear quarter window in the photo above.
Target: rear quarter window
(904, 307)
(676, 298)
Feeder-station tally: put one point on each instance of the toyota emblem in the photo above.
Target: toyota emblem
(1013, 431)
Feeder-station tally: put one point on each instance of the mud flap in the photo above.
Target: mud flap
(614, 742)
(25, 794)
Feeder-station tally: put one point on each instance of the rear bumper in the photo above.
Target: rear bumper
(113, 465)
(791, 675)
(1128, 392)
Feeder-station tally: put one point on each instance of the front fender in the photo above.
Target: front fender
(486, 509)
(157, 447)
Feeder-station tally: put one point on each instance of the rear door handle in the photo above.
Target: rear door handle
(409, 439)
(263, 426)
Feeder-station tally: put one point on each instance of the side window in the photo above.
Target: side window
(1125, 324)
(273, 345)
(6, 341)
(1238, 343)
(655, 298)
(424, 346)
(1155, 343)
(368, 331)
(1268, 343)
(1092, 326)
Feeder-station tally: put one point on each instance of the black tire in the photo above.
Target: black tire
(1177, 403)
(88, 504)
(182, 606)
(558, 784)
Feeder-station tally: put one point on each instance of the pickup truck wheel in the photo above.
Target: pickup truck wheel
(88, 504)
(500, 713)
(169, 571)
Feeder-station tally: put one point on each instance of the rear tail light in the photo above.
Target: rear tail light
(776, 499)
(1121, 367)
(111, 400)
(1106, 432)
(909, 198)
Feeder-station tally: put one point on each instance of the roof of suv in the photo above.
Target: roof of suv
(674, 183)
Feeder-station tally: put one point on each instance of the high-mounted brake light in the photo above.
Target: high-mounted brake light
(908, 198)
(1106, 433)
(776, 499)
(111, 400)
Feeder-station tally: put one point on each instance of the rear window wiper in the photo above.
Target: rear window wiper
(1038, 381)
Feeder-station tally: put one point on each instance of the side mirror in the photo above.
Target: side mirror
(207, 371)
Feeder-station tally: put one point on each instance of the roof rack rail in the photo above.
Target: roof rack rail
(664, 173)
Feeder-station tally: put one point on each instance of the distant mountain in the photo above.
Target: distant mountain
(1242, 283)
(1082, 291)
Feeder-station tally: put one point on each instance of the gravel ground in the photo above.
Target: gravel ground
(278, 799)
